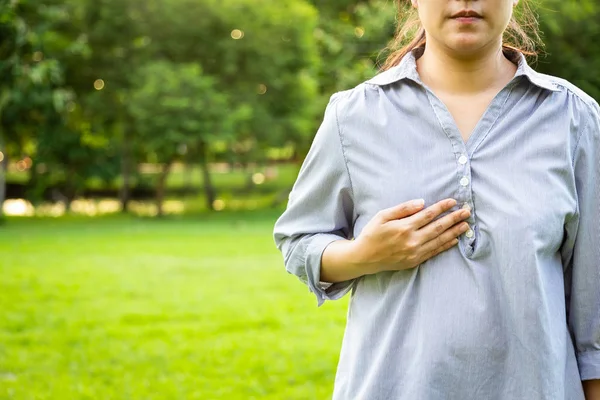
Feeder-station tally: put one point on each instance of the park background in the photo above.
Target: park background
(146, 149)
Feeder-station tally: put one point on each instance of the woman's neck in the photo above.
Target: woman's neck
(443, 72)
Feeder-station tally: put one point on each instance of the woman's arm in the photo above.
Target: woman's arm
(581, 252)
(320, 209)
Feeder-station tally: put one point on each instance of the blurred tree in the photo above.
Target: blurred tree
(103, 76)
(351, 36)
(175, 105)
(30, 83)
(37, 108)
(261, 54)
(571, 31)
(11, 32)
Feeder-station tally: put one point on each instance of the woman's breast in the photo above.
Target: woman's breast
(523, 201)
(390, 168)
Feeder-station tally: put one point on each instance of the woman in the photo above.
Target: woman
(489, 286)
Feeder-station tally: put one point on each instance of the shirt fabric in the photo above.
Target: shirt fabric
(512, 312)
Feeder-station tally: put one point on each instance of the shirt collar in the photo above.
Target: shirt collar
(407, 69)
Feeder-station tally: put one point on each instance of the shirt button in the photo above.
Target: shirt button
(464, 181)
(462, 160)
(466, 206)
(470, 233)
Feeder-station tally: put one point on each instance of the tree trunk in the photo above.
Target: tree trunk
(34, 177)
(188, 177)
(3, 169)
(209, 189)
(161, 186)
(69, 194)
(125, 191)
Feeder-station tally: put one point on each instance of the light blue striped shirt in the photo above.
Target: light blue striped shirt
(512, 312)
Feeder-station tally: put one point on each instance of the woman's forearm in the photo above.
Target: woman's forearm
(592, 389)
(341, 262)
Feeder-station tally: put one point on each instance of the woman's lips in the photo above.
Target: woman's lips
(466, 20)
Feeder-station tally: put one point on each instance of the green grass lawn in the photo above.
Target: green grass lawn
(190, 307)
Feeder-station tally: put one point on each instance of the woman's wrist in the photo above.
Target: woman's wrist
(344, 260)
(360, 259)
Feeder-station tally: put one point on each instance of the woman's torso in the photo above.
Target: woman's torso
(486, 319)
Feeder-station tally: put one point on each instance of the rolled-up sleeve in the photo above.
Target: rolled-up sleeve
(320, 209)
(582, 253)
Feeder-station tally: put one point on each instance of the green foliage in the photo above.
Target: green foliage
(351, 37)
(571, 32)
(175, 105)
(34, 111)
(261, 54)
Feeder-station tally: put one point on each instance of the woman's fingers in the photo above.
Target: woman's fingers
(405, 234)
(440, 241)
(426, 216)
(446, 246)
(402, 210)
(441, 225)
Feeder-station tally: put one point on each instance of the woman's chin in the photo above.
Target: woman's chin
(466, 45)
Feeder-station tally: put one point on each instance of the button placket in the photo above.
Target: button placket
(463, 151)
(465, 190)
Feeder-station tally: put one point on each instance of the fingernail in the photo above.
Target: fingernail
(418, 203)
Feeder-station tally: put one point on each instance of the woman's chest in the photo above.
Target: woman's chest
(466, 111)
(520, 189)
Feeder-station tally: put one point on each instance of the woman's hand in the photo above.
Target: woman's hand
(397, 238)
(405, 236)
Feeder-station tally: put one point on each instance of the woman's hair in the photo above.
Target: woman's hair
(521, 35)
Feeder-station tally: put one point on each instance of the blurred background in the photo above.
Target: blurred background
(146, 149)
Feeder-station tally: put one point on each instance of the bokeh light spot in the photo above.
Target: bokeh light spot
(237, 34)
(98, 84)
(219, 205)
(258, 178)
(18, 208)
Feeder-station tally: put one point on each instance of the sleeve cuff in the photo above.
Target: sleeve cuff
(589, 365)
(314, 252)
